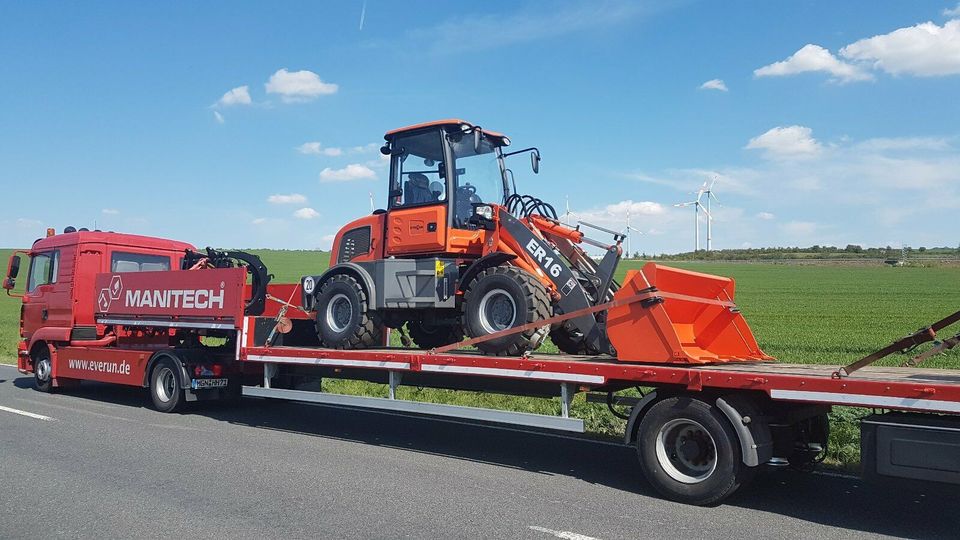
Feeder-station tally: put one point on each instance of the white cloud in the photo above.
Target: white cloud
(766, 216)
(801, 229)
(790, 142)
(904, 143)
(297, 86)
(306, 213)
(293, 198)
(952, 12)
(811, 58)
(924, 50)
(26, 223)
(354, 171)
(259, 221)
(237, 96)
(369, 147)
(110, 211)
(315, 148)
(218, 117)
(714, 84)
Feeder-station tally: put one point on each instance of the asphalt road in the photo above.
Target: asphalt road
(104, 465)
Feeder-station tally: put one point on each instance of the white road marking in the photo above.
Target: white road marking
(567, 535)
(25, 413)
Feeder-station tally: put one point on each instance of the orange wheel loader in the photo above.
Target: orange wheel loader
(458, 252)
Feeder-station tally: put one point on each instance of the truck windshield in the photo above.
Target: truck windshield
(478, 176)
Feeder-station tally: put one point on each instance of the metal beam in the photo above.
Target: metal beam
(417, 407)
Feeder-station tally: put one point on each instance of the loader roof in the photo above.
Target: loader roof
(445, 122)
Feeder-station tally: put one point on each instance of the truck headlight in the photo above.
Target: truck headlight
(484, 211)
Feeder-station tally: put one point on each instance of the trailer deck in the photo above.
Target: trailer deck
(896, 388)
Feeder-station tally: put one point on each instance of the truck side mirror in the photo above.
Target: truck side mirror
(13, 267)
(535, 161)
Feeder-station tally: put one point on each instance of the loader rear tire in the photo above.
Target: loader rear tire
(344, 320)
(429, 336)
(504, 297)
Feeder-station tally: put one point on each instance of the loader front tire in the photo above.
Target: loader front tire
(344, 321)
(504, 297)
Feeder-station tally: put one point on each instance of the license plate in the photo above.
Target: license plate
(200, 384)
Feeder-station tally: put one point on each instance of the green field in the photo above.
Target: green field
(828, 314)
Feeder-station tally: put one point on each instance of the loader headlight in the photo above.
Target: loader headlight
(484, 211)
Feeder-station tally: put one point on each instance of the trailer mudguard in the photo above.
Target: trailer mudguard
(756, 442)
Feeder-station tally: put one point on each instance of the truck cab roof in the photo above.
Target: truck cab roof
(111, 238)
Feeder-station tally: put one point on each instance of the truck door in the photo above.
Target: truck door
(40, 292)
(417, 214)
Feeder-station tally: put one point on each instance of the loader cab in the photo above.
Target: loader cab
(439, 173)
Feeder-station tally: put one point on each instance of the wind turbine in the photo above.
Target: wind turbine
(568, 213)
(627, 231)
(697, 206)
(710, 195)
(371, 197)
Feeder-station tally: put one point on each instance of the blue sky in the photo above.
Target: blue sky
(256, 124)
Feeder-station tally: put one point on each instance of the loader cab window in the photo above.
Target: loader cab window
(479, 175)
(138, 262)
(417, 171)
(43, 269)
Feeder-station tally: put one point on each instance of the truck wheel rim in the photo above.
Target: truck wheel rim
(498, 311)
(43, 369)
(166, 384)
(686, 451)
(339, 313)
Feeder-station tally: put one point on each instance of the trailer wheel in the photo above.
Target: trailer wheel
(503, 297)
(429, 336)
(343, 318)
(43, 369)
(166, 391)
(689, 452)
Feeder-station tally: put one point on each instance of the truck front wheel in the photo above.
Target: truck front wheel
(43, 369)
(689, 452)
(166, 391)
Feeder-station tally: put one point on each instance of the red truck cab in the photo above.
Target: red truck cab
(57, 304)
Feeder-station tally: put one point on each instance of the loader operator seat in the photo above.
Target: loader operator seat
(416, 190)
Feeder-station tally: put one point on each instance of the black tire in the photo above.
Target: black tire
(166, 389)
(505, 297)
(570, 340)
(343, 319)
(689, 452)
(42, 369)
(429, 336)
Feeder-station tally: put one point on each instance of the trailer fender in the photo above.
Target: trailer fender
(756, 443)
(481, 264)
(630, 435)
(310, 285)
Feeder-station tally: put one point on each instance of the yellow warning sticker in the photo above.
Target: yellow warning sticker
(440, 266)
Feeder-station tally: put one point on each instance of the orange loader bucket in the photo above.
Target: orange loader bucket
(691, 320)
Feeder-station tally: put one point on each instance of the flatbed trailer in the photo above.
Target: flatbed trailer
(701, 430)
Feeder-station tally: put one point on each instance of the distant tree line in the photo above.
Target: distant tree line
(851, 251)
